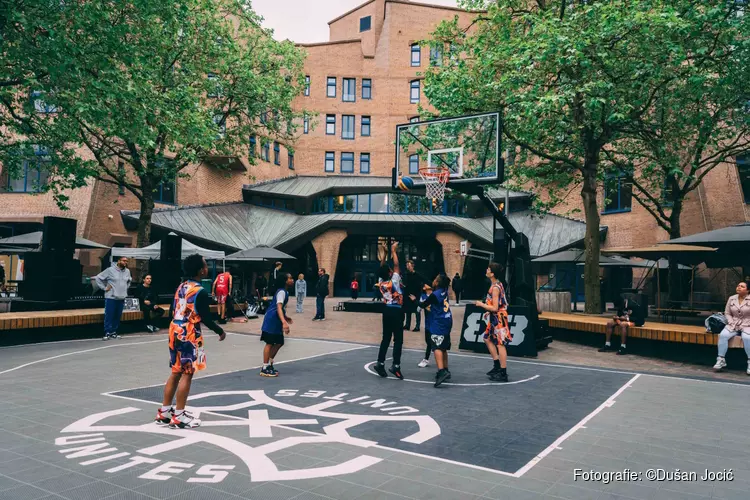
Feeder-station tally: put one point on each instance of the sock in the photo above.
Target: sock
(270, 361)
(165, 409)
(503, 371)
(178, 413)
(265, 365)
(496, 363)
(622, 346)
(397, 366)
(608, 344)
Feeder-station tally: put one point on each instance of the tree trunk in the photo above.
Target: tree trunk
(674, 233)
(591, 240)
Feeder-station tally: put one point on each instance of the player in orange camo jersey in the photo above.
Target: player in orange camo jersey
(497, 335)
(186, 355)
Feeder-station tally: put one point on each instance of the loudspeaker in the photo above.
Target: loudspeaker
(166, 275)
(50, 276)
(59, 235)
(171, 248)
(500, 246)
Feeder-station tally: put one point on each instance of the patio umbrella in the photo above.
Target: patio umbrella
(34, 240)
(732, 235)
(684, 254)
(572, 256)
(259, 254)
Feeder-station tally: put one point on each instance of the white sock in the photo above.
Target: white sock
(270, 361)
(608, 344)
(165, 409)
(178, 413)
(265, 365)
(622, 346)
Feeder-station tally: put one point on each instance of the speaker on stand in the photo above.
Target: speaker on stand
(52, 274)
(167, 271)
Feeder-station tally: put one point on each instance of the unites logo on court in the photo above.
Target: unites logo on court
(259, 426)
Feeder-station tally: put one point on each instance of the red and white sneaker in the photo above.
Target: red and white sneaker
(164, 417)
(184, 421)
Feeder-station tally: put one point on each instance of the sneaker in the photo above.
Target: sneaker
(499, 377)
(607, 348)
(156, 329)
(380, 370)
(425, 362)
(415, 330)
(268, 372)
(184, 421)
(106, 336)
(748, 367)
(622, 351)
(322, 319)
(114, 335)
(449, 374)
(273, 369)
(441, 377)
(397, 372)
(164, 417)
(721, 363)
(493, 371)
(150, 328)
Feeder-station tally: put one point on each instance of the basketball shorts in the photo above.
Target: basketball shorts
(499, 334)
(440, 342)
(186, 356)
(221, 298)
(272, 338)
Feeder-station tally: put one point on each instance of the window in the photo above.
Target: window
(365, 132)
(618, 193)
(221, 124)
(345, 203)
(414, 95)
(307, 85)
(331, 86)
(347, 162)
(365, 23)
(436, 55)
(416, 55)
(413, 164)
(743, 169)
(306, 125)
(291, 160)
(330, 124)
(379, 203)
(347, 127)
(165, 192)
(33, 174)
(330, 162)
(349, 90)
(667, 191)
(253, 143)
(276, 151)
(364, 163)
(264, 153)
(414, 119)
(366, 88)
(264, 117)
(40, 106)
(213, 86)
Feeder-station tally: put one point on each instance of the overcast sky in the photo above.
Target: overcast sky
(306, 21)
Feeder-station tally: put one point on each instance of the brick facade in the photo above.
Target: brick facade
(453, 262)
(327, 251)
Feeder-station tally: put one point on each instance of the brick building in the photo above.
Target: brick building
(331, 200)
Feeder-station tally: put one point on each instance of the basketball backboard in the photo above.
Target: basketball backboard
(469, 146)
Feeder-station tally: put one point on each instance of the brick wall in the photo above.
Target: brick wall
(453, 262)
(327, 251)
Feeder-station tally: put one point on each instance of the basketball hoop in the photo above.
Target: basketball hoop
(435, 179)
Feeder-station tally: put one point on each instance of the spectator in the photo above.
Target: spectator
(354, 286)
(413, 284)
(115, 282)
(277, 275)
(148, 303)
(628, 314)
(2, 276)
(321, 292)
(737, 313)
(261, 284)
(458, 287)
(300, 288)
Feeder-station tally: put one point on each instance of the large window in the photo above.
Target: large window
(365, 23)
(347, 163)
(330, 165)
(349, 93)
(347, 127)
(413, 164)
(365, 132)
(345, 203)
(330, 124)
(366, 88)
(265, 151)
(306, 125)
(416, 55)
(388, 203)
(290, 156)
(364, 163)
(253, 145)
(436, 55)
(743, 169)
(414, 91)
(33, 174)
(618, 194)
(307, 85)
(331, 86)
(276, 153)
(165, 192)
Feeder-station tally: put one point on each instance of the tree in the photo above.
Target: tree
(139, 90)
(570, 78)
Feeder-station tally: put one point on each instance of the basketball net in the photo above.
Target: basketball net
(435, 179)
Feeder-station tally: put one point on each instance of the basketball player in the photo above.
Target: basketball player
(221, 289)
(393, 315)
(186, 356)
(275, 326)
(497, 335)
(440, 323)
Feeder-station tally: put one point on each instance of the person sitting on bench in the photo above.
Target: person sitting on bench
(737, 313)
(628, 314)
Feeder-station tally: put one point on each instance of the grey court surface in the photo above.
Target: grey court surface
(75, 423)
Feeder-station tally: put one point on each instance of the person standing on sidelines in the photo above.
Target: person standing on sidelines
(300, 289)
(393, 314)
(190, 307)
(321, 292)
(412, 284)
(354, 287)
(115, 281)
(275, 326)
(458, 287)
(221, 289)
(497, 336)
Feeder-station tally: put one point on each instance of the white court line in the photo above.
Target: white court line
(606, 404)
(113, 344)
(52, 342)
(368, 369)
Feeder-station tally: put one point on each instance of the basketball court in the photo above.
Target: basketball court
(77, 423)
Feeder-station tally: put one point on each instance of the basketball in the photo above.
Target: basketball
(405, 183)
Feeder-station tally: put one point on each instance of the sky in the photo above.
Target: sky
(306, 21)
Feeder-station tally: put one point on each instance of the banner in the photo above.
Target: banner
(523, 326)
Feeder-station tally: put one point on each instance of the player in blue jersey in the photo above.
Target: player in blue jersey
(275, 326)
(440, 323)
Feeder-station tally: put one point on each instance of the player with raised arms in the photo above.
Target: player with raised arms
(393, 315)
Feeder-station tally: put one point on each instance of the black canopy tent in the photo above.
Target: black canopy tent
(34, 240)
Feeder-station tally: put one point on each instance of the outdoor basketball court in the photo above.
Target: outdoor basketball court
(77, 423)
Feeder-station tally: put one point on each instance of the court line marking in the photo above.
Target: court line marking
(368, 369)
(606, 404)
(77, 352)
(92, 339)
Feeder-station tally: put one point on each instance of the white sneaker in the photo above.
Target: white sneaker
(184, 421)
(424, 363)
(150, 328)
(721, 364)
(748, 367)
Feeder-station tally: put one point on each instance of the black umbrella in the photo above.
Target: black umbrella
(259, 254)
(718, 238)
(34, 240)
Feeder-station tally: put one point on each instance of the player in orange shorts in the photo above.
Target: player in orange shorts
(497, 335)
(186, 355)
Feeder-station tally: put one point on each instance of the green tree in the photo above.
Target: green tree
(570, 78)
(139, 90)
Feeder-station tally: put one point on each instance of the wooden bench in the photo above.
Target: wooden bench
(686, 334)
